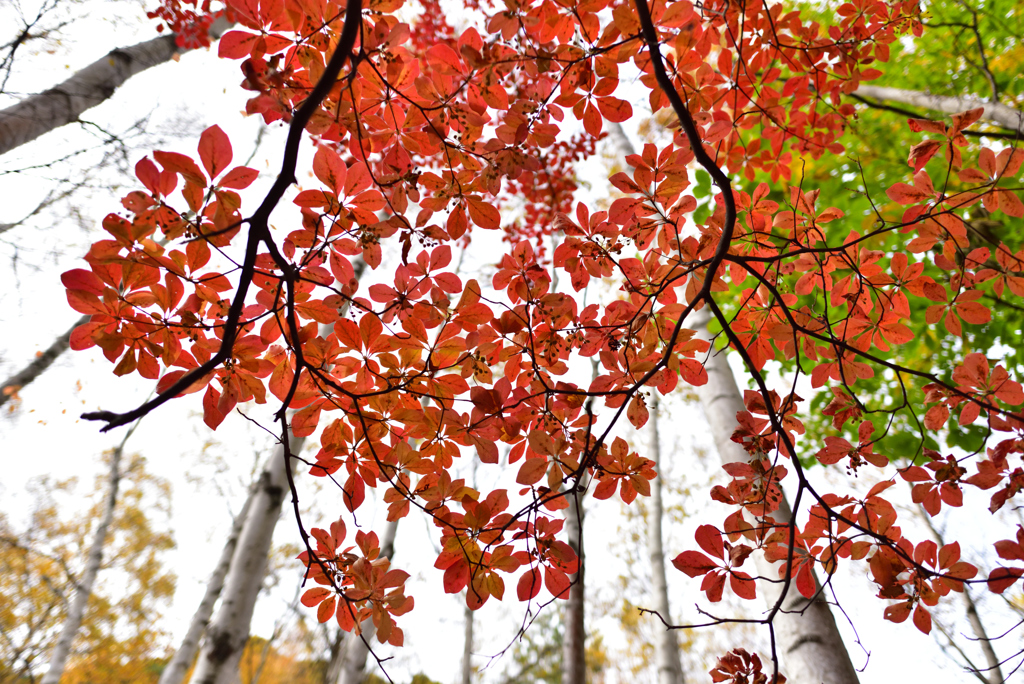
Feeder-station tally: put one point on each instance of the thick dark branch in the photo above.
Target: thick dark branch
(259, 230)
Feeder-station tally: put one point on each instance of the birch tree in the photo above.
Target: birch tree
(574, 662)
(84, 588)
(228, 630)
(994, 112)
(177, 668)
(809, 644)
(10, 387)
(64, 103)
(670, 669)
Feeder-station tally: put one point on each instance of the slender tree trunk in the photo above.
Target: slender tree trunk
(355, 647)
(996, 113)
(228, 631)
(468, 615)
(995, 672)
(176, 670)
(574, 661)
(670, 669)
(61, 651)
(337, 660)
(467, 646)
(811, 651)
(33, 370)
(64, 103)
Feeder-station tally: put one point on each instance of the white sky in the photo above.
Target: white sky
(45, 436)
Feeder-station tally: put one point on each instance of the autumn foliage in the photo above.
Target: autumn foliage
(424, 138)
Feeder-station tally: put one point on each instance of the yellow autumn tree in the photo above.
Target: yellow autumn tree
(41, 559)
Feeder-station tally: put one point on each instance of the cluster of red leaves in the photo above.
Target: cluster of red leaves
(354, 587)
(189, 20)
(422, 141)
(739, 667)
(696, 564)
(1002, 578)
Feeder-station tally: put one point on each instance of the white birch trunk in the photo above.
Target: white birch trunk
(355, 646)
(811, 651)
(467, 646)
(12, 385)
(996, 113)
(64, 103)
(176, 670)
(666, 648)
(61, 651)
(228, 631)
(337, 659)
(574, 661)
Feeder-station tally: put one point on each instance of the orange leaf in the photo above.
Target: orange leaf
(483, 214)
(904, 194)
(532, 470)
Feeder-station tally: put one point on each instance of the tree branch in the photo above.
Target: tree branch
(999, 114)
(64, 103)
(33, 370)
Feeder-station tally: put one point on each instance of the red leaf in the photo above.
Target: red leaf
(330, 169)
(212, 415)
(922, 619)
(1009, 550)
(743, 585)
(614, 109)
(1001, 579)
(180, 164)
(325, 611)
(214, 150)
(80, 279)
(693, 563)
(713, 585)
(483, 214)
(532, 470)
(898, 612)
(710, 539)
(313, 596)
(529, 585)
(805, 582)
(236, 45)
(637, 412)
(557, 582)
(904, 194)
(238, 178)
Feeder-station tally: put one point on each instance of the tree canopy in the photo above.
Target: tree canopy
(883, 279)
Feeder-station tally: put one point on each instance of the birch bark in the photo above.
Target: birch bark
(574, 662)
(811, 651)
(228, 630)
(76, 613)
(176, 670)
(670, 669)
(64, 103)
(13, 384)
(996, 113)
